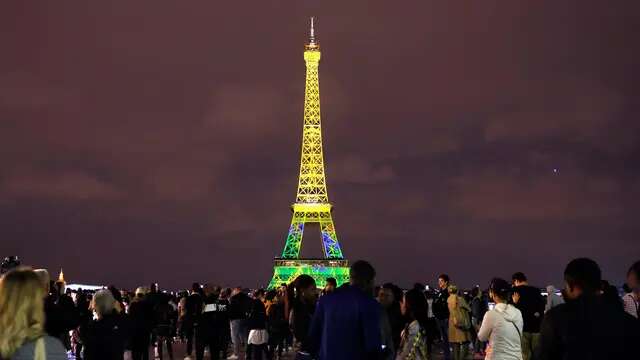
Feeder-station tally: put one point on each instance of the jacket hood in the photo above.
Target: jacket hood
(508, 311)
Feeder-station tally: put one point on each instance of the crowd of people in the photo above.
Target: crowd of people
(41, 320)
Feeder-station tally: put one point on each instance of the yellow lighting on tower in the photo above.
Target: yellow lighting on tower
(312, 202)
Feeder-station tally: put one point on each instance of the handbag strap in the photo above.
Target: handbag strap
(417, 346)
(514, 324)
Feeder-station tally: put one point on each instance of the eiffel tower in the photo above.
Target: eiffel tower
(312, 202)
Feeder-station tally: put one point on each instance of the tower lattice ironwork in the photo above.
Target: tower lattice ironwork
(312, 202)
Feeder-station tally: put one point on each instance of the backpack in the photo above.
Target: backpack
(460, 317)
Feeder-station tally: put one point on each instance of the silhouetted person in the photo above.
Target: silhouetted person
(531, 304)
(346, 323)
(141, 317)
(587, 326)
(61, 314)
(193, 307)
(330, 286)
(631, 298)
(106, 337)
(441, 313)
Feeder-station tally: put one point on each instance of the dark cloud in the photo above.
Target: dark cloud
(164, 137)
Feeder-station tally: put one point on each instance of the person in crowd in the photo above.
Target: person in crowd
(224, 327)
(631, 299)
(287, 295)
(117, 294)
(61, 314)
(303, 305)
(257, 325)
(239, 307)
(585, 326)
(276, 323)
(432, 330)
(192, 310)
(387, 301)
(441, 313)
(346, 323)
(459, 323)
(163, 325)
(330, 286)
(105, 338)
(531, 304)
(502, 327)
(414, 343)
(9, 263)
(553, 299)
(391, 305)
(211, 324)
(182, 300)
(141, 320)
(610, 295)
(479, 306)
(22, 318)
(85, 315)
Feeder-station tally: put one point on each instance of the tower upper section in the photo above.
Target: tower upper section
(312, 48)
(312, 187)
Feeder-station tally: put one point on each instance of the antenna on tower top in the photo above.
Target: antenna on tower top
(312, 35)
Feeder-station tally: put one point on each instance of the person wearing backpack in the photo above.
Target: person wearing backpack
(502, 326)
(459, 323)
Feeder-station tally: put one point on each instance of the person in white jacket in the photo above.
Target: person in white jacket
(502, 326)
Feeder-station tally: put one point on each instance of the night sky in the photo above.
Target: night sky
(160, 140)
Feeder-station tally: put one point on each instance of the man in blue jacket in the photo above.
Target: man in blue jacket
(346, 323)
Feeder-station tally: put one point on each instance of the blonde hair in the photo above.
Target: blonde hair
(21, 310)
(142, 291)
(453, 289)
(43, 274)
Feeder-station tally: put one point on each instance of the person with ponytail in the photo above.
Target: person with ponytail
(502, 326)
(413, 343)
(22, 335)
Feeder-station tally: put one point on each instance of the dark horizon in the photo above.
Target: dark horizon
(145, 141)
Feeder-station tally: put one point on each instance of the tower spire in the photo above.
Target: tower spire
(312, 35)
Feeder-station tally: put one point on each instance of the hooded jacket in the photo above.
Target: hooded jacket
(502, 327)
(553, 299)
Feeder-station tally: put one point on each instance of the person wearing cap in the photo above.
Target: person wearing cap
(502, 327)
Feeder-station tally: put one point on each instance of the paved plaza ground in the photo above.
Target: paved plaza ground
(180, 349)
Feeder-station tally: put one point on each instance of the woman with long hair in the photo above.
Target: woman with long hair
(22, 335)
(459, 323)
(413, 343)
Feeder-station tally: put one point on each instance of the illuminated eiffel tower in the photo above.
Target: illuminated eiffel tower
(312, 203)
